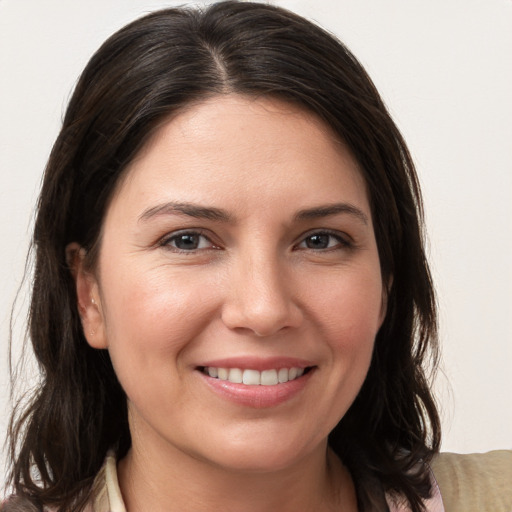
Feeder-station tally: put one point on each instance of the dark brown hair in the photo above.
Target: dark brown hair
(143, 74)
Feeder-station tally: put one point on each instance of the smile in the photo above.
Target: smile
(251, 377)
(253, 388)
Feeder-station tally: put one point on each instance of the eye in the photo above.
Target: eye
(324, 240)
(188, 241)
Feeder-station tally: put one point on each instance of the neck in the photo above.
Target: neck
(171, 480)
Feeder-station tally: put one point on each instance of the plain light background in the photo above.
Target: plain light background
(444, 69)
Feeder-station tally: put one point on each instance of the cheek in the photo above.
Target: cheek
(145, 301)
(150, 317)
(350, 314)
(351, 303)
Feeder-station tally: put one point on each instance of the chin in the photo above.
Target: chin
(261, 456)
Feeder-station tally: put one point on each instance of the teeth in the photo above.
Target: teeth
(269, 378)
(255, 377)
(282, 375)
(235, 375)
(252, 377)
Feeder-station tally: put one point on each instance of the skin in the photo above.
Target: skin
(263, 282)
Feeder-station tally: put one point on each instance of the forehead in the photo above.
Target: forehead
(235, 144)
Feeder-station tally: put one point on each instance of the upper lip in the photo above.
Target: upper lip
(258, 363)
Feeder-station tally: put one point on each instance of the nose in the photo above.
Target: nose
(260, 299)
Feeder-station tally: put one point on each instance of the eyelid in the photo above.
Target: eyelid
(166, 239)
(345, 240)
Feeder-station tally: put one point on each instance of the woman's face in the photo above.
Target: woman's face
(238, 287)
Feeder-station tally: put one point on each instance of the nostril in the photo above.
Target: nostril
(261, 310)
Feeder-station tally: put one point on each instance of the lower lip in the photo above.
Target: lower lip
(257, 397)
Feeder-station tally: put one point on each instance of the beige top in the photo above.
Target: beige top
(480, 482)
(108, 496)
(468, 483)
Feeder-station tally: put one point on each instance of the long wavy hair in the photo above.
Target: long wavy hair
(145, 73)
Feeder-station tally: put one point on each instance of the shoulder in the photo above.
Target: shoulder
(475, 482)
(106, 492)
(17, 504)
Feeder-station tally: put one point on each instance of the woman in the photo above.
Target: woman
(231, 305)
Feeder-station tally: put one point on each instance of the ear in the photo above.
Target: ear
(88, 297)
(386, 290)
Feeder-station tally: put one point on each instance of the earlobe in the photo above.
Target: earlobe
(88, 297)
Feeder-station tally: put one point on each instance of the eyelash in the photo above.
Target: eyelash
(168, 240)
(342, 242)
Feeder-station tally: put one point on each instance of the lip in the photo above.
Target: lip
(257, 397)
(258, 363)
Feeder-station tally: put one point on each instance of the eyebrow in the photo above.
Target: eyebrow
(318, 212)
(188, 209)
(217, 214)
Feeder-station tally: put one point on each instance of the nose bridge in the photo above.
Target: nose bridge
(261, 295)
